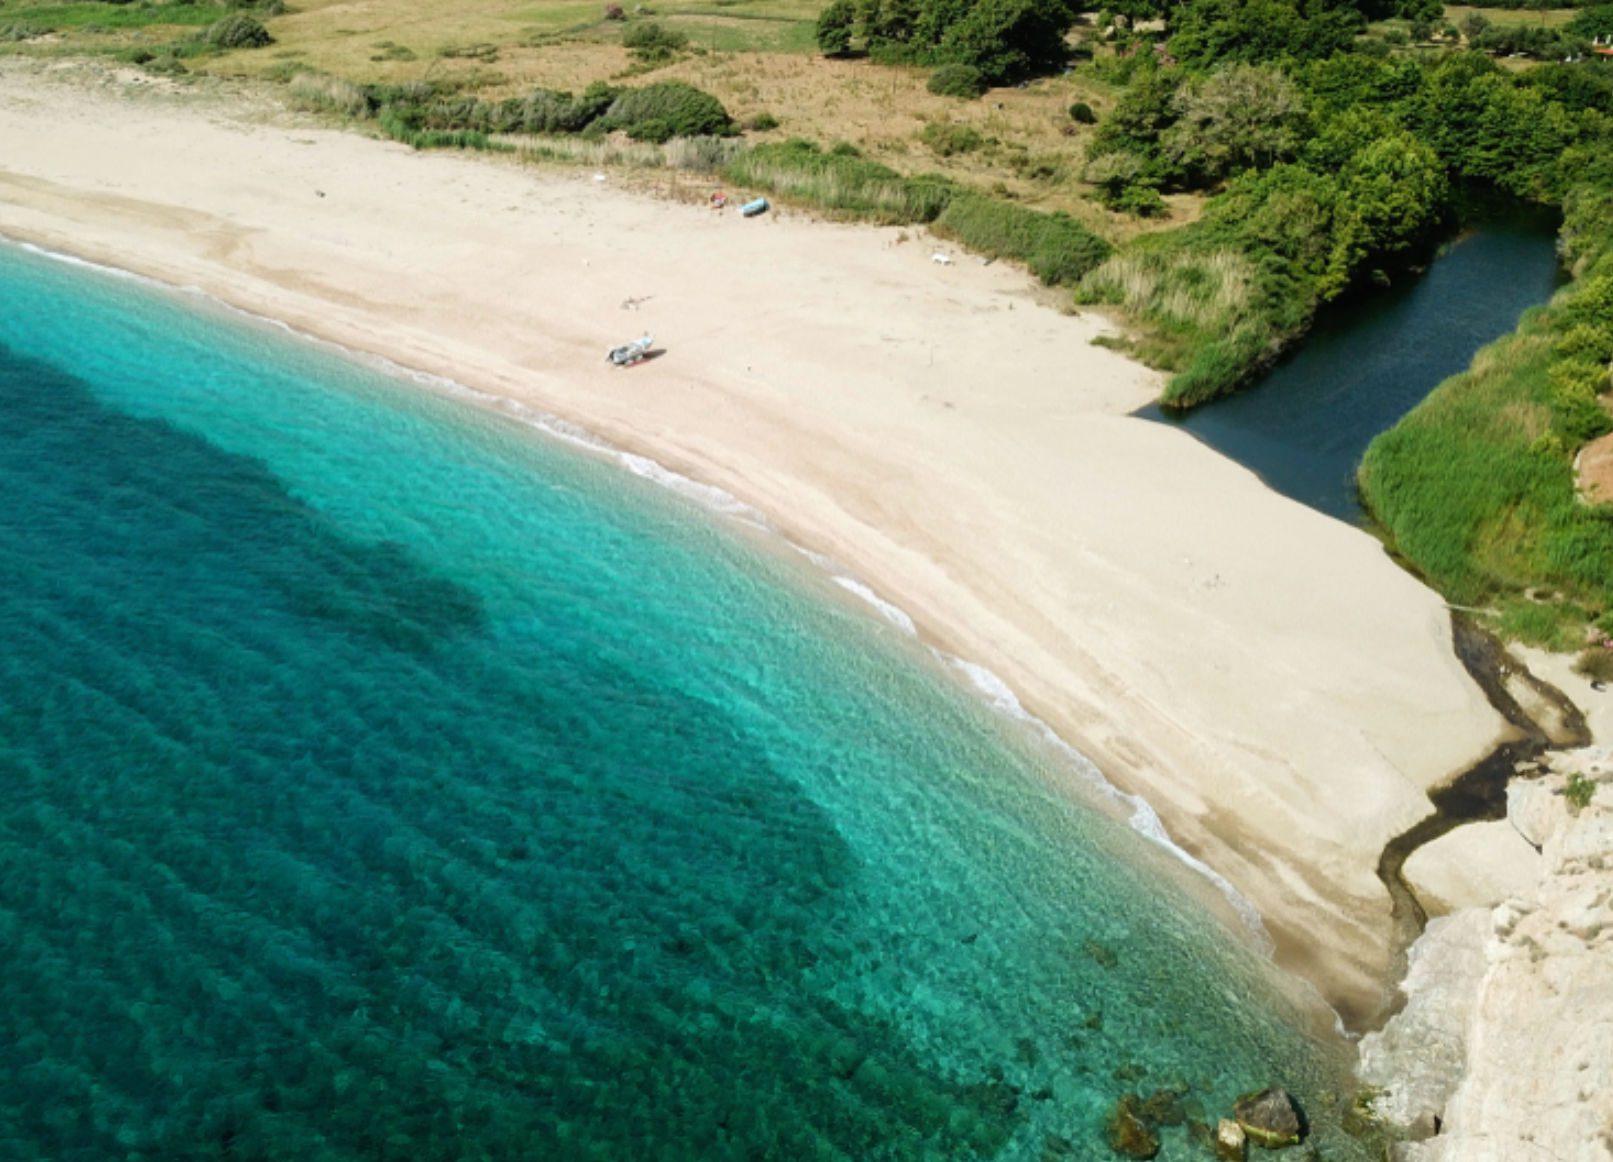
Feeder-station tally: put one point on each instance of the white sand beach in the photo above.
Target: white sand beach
(1266, 677)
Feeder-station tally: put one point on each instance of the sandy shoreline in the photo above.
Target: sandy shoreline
(1264, 676)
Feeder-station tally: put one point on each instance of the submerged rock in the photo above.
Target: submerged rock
(1231, 1143)
(1130, 1135)
(1269, 1118)
(1165, 1107)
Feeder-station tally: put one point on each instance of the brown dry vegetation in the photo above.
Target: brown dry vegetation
(756, 56)
(565, 45)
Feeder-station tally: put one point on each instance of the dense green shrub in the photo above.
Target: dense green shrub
(945, 139)
(1592, 22)
(1010, 40)
(551, 111)
(323, 93)
(1056, 248)
(1205, 33)
(1579, 791)
(1238, 117)
(665, 110)
(1140, 202)
(1082, 113)
(835, 26)
(957, 80)
(237, 31)
(651, 43)
(398, 127)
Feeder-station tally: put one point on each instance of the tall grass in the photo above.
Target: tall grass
(840, 182)
(1476, 487)
(1207, 311)
(696, 154)
(1056, 248)
(323, 93)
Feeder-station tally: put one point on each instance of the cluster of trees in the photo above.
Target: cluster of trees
(1593, 23)
(1326, 174)
(1535, 41)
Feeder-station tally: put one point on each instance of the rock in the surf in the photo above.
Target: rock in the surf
(1269, 1118)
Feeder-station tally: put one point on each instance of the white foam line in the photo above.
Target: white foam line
(1144, 819)
(707, 496)
(891, 613)
(75, 260)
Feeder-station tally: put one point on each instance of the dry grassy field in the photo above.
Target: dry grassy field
(1507, 17)
(757, 56)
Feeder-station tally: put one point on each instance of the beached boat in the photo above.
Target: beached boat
(754, 207)
(632, 352)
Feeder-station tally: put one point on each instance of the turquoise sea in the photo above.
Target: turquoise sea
(382, 779)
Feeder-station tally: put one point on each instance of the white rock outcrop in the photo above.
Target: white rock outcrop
(1534, 977)
(1476, 866)
(1416, 1062)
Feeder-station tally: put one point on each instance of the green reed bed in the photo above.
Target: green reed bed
(1476, 486)
(1057, 249)
(841, 181)
(1206, 310)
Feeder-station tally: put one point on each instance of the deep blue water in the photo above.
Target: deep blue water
(1305, 426)
(380, 780)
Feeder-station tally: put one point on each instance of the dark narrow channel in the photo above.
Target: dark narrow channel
(1304, 427)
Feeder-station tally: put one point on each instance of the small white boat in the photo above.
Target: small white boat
(630, 353)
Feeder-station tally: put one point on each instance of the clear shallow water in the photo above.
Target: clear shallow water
(1306, 425)
(380, 781)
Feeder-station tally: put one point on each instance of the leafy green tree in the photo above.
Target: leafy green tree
(1392, 193)
(1009, 40)
(1486, 127)
(1238, 117)
(936, 18)
(1474, 25)
(835, 24)
(1114, 173)
(1594, 22)
(1205, 33)
(1430, 11)
(1145, 111)
(957, 80)
(1573, 86)
(651, 43)
(890, 26)
(1343, 135)
(1286, 211)
(1351, 81)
